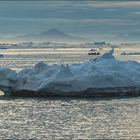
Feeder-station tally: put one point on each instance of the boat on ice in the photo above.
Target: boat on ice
(93, 52)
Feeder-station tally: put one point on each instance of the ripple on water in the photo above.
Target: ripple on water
(69, 118)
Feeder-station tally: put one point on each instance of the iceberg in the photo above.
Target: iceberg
(102, 76)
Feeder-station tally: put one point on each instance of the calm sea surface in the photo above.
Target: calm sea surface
(66, 118)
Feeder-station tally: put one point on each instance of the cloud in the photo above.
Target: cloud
(111, 9)
(115, 4)
(135, 13)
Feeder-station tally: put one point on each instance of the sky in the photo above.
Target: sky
(97, 20)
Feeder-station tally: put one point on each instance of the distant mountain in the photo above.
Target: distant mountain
(52, 35)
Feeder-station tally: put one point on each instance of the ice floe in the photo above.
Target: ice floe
(130, 53)
(101, 73)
